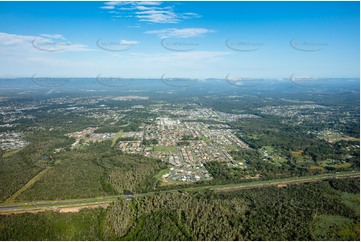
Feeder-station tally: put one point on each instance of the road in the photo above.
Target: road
(20, 207)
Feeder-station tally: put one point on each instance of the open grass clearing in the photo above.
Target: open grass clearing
(11, 152)
(117, 136)
(165, 148)
(159, 175)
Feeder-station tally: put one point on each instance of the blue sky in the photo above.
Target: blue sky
(188, 39)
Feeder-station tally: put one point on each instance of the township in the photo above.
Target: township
(185, 145)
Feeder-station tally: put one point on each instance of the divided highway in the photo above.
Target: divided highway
(21, 207)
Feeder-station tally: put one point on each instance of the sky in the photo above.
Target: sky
(180, 39)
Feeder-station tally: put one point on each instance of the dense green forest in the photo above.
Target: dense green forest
(84, 225)
(326, 210)
(259, 214)
(94, 170)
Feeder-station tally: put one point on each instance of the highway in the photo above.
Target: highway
(33, 206)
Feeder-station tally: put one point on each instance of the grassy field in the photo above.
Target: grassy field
(116, 137)
(276, 159)
(296, 101)
(297, 153)
(10, 153)
(205, 139)
(334, 137)
(314, 168)
(255, 136)
(231, 147)
(159, 175)
(269, 149)
(337, 165)
(165, 148)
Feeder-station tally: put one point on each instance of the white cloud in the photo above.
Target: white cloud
(115, 3)
(150, 11)
(20, 57)
(12, 39)
(157, 16)
(134, 26)
(180, 33)
(107, 7)
(53, 36)
(142, 8)
(20, 44)
(190, 15)
(150, 2)
(128, 42)
(112, 4)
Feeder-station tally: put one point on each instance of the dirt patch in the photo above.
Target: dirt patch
(77, 209)
(60, 210)
(335, 138)
(314, 168)
(297, 153)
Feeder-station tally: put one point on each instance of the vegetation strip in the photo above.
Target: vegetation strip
(54, 205)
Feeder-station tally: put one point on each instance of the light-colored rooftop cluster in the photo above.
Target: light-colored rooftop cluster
(185, 146)
(12, 141)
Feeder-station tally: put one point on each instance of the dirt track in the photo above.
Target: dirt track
(60, 210)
